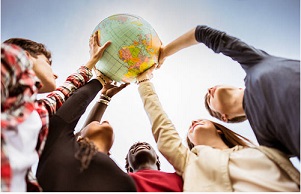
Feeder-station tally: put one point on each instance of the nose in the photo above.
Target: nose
(107, 122)
(55, 76)
(193, 122)
(210, 90)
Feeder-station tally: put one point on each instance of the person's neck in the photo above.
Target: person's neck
(237, 103)
(101, 147)
(147, 166)
(217, 143)
(220, 145)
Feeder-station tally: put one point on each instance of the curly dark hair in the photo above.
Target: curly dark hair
(127, 165)
(229, 137)
(34, 48)
(86, 151)
(219, 116)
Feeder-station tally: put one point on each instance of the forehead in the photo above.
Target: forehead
(43, 57)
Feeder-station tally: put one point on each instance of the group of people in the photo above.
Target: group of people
(214, 159)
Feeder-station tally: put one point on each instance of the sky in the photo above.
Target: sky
(65, 26)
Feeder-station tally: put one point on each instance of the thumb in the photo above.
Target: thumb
(124, 85)
(106, 45)
(150, 70)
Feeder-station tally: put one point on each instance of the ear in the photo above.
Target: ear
(224, 118)
(79, 138)
(27, 54)
(219, 132)
(31, 59)
(130, 169)
(158, 163)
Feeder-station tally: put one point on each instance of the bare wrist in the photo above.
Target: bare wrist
(90, 64)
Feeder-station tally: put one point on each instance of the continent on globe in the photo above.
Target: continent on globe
(135, 47)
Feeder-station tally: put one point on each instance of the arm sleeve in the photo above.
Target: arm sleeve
(96, 113)
(55, 99)
(168, 140)
(66, 118)
(230, 46)
(77, 104)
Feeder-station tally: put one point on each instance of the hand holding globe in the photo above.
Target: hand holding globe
(134, 49)
(96, 50)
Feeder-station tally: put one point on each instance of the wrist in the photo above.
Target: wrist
(93, 60)
(105, 97)
(143, 77)
(142, 80)
(103, 101)
(90, 64)
(101, 80)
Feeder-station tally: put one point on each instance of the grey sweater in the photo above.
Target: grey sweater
(272, 90)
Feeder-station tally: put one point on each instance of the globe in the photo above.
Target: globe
(134, 47)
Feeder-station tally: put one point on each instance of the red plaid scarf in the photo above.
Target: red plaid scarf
(18, 100)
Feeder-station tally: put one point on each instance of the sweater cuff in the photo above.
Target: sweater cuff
(197, 33)
(85, 72)
(146, 88)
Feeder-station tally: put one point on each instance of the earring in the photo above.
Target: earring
(79, 138)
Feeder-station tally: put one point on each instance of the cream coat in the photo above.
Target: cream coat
(208, 169)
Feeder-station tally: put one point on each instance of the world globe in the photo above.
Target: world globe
(134, 47)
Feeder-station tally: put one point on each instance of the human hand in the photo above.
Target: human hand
(162, 56)
(146, 75)
(101, 77)
(96, 50)
(110, 89)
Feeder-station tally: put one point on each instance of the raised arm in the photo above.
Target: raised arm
(107, 92)
(184, 41)
(76, 105)
(55, 99)
(67, 117)
(218, 41)
(168, 140)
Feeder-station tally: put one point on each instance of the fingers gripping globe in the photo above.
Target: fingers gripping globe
(134, 47)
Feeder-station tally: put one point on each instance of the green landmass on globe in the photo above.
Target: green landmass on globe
(135, 47)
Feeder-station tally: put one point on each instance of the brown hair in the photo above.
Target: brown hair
(127, 165)
(229, 137)
(219, 116)
(86, 151)
(34, 48)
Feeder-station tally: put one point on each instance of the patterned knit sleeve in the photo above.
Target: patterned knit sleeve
(55, 99)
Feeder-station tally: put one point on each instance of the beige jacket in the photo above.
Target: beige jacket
(208, 169)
